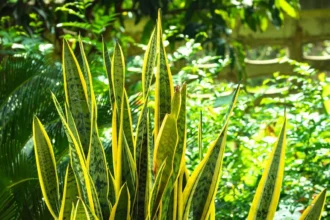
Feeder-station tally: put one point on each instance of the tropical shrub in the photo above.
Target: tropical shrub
(146, 176)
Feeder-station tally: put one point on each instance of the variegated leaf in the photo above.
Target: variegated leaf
(268, 192)
(153, 204)
(164, 85)
(70, 194)
(149, 64)
(77, 96)
(78, 162)
(203, 183)
(314, 211)
(121, 209)
(46, 167)
(143, 164)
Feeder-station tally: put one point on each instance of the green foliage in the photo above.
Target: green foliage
(168, 190)
(303, 94)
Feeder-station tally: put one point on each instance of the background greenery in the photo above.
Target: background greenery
(198, 37)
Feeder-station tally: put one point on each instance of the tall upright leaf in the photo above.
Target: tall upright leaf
(314, 211)
(168, 197)
(127, 125)
(98, 170)
(268, 192)
(149, 64)
(142, 164)
(164, 85)
(201, 187)
(78, 162)
(118, 75)
(77, 96)
(46, 166)
(108, 66)
(70, 194)
(129, 171)
(121, 209)
(154, 202)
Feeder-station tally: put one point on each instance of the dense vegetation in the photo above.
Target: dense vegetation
(201, 49)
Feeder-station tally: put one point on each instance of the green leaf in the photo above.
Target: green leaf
(165, 147)
(112, 190)
(118, 75)
(46, 166)
(285, 6)
(121, 210)
(153, 204)
(178, 112)
(143, 164)
(314, 211)
(77, 160)
(201, 187)
(87, 76)
(127, 123)
(98, 170)
(149, 63)
(164, 84)
(268, 192)
(108, 66)
(70, 194)
(77, 96)
(80, 211)
(129, 171)
(208, 178)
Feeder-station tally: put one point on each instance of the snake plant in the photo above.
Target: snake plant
(146, 176)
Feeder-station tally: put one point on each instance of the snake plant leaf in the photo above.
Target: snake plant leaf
(46, 167)
(149, 63)
(129, 171)
(70, 194)
(112, 190)
(206, 179)
(180, 195)
(72, 126)
(72, 212)
(97, 166)
(118, 75)
(121, 209)
(86, 73)
(142, 164)
(77, 160)
(164, 85)
(165, 144)
(182, 135)
(127, 123)
(107, 66)
(314, 211)
(171, 208)
(114, 139)
(153, 204)
(80, 211)
(97, 213)
(118, 148)
(203, 183)
(212, 212)
(177, 152)
(164, 150)
(77, 96)
(267, 195)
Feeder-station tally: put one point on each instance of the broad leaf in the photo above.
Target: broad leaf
(46, 166)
